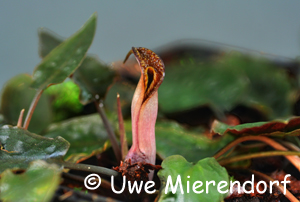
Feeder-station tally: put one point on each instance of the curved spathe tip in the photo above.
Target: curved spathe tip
(152, 69)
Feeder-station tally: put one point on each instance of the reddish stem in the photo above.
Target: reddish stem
(295, 160)
(20, 120)
(32, 108)
(257, 155)
(109, 130)
(288, 194)
(123, 139)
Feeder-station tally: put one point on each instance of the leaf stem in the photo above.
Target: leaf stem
(295, 160)
(87, 168)
(257, 155)
(288, 194)
(32, 108)
(123, 139)
(290, 145)
(109, 130)
(20, 120)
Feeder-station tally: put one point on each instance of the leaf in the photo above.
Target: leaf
(290, 127)
(86, 135)
(65, 58)
(232, 80)
(200, 85)
(204, 170)
(270, 90)
(173, 139)
(43, 179)
(17, 95)
(48, 40)
(92, 76)
(20, 147)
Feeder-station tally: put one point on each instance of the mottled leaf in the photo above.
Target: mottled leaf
(205, 170)
(17, 95)
(19, 147)
(86, 135)
(290, 127)
(38, 183)
(65, 58)
(172, 139)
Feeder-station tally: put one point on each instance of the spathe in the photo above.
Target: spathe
(145, 105)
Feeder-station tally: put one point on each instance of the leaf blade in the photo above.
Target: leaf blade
(65, 58)
(206, 169)
(43, 179)
(288, 127)
(92, 76)
(86, 134)
(20, 147)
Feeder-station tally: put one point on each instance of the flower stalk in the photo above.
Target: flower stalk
(123, 139)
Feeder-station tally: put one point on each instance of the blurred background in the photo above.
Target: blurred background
(226, 63)
(264, 26)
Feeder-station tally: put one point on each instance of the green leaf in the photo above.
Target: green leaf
(232, 80)
(204, 170)
(92, 76)
(65, 58)
(86, 135)
(191, 86)
(48, 40)
(20, 147)
(269, 89)
(17, 95)
(38, 183)
(171, 139)
(290, 127)
(64, 100)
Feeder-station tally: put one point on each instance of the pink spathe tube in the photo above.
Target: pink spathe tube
(144, 106)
